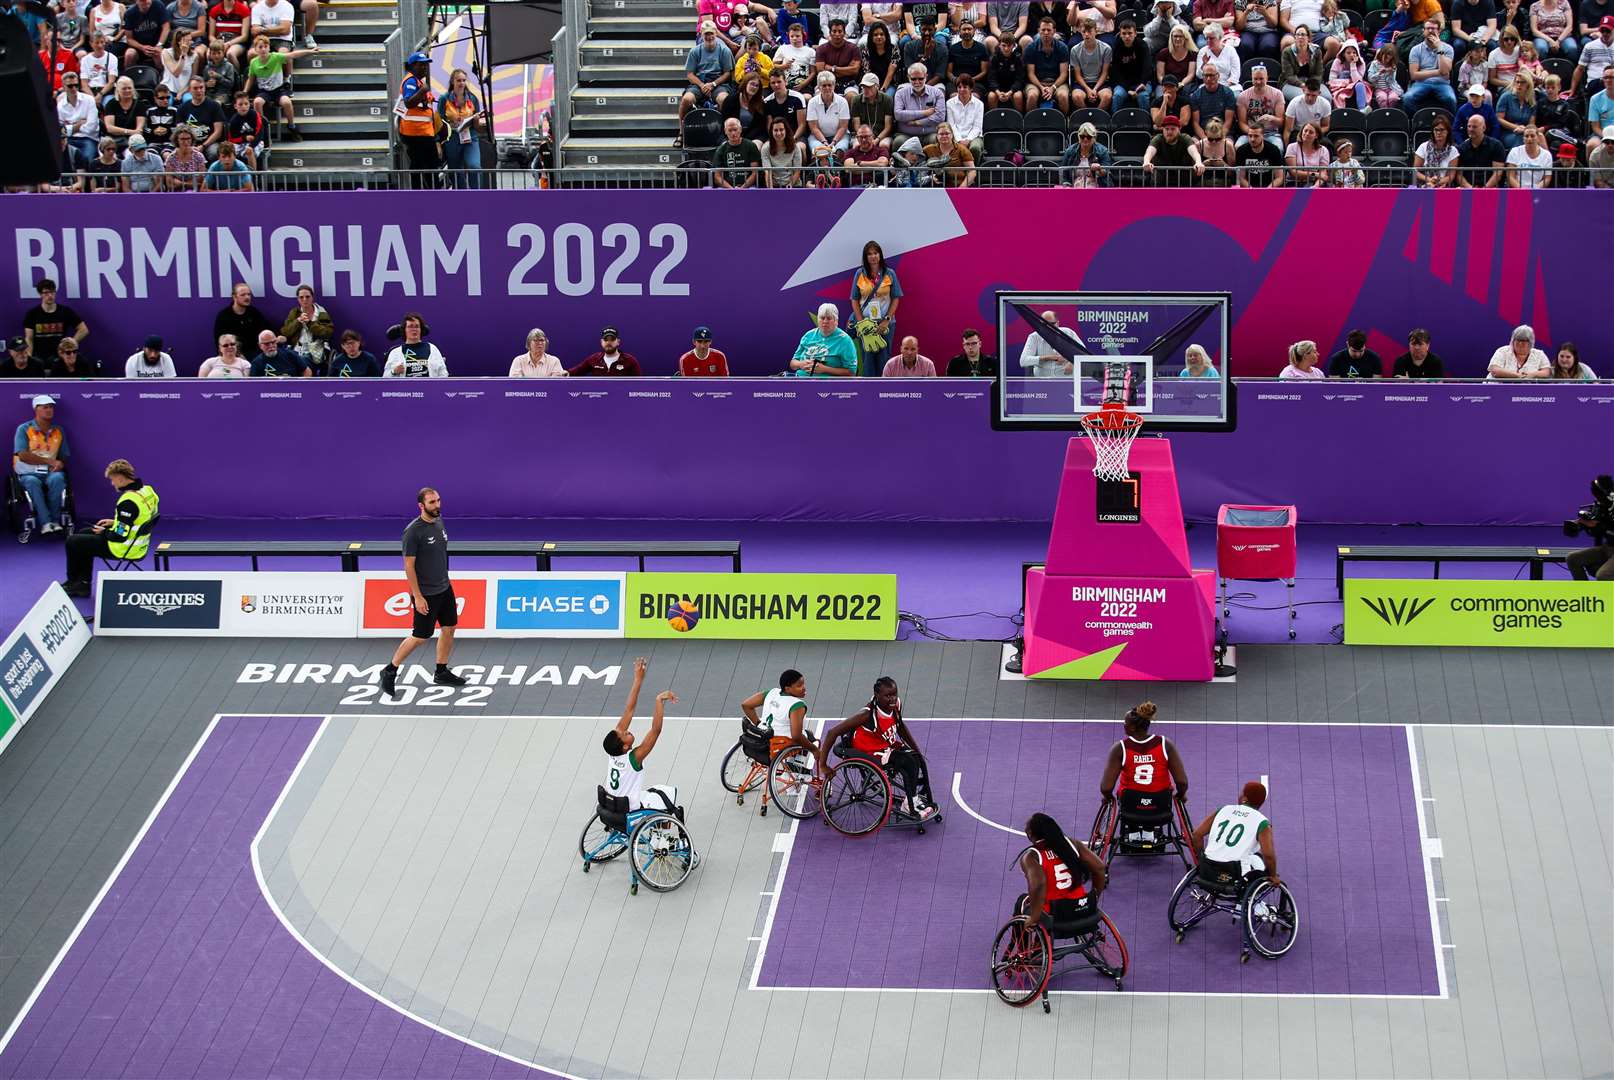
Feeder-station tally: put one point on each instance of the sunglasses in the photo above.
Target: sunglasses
(66, 352)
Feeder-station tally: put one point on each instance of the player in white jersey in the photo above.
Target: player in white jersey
(1236, 833)
(781, 714)
(625, 773)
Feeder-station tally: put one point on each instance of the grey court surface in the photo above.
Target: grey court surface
(427, 851)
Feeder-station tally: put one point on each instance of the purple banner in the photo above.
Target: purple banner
(808, 449)
(485, 268)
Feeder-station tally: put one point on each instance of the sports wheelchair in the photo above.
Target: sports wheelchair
(661, 852)
(1023, 957)
(1133, 824)
(858, 797)
(774, 764)
(20, 516)
(1266, 912)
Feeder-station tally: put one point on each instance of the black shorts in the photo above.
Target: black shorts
(271, 98)
(441, 610)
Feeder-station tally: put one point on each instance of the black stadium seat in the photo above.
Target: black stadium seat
(1273, 70)
(1132, 119)
(1003, 120)
(1097, 117)
(1358, 139)
(1424, 119)
(995, 172)
(1000, 144)
(1347, 120)
(1045, 120)
(1373, 22)
(1389, 134)
(1129, 144)
(143, 76)
(703, 129)
(1557, 65)
(1045, 144)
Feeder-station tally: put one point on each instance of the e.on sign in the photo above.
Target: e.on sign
(388, 605)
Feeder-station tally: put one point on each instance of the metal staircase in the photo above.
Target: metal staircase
(343, 100)
(624, 109)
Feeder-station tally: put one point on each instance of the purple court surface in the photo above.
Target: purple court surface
(918, 912)
(183, 970)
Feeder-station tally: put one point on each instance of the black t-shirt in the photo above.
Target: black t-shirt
(200, 116)
(1592, 12)
(105, 176)
(49, 328)
(967, 61)
(32, 369)
(1257, 160)
(427, 542)
(248, 130)
(362, 366)
(85, 368)
(1475, 161)
(160, 124)
(146, 27)
(1006, 72)
(124, 118)
(959, 366)
(1172, 155)
(1342, 366)
(285, 364)
(1129, 65)
(737, 161)
(1472, 16)
(1431, 368)
(246, 326)
(923, 13)
(787, 109)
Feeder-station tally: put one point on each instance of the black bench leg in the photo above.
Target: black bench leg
(1537, 567)
(1339, 576)
(1437, 569)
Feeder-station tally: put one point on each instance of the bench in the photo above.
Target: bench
(542, 552)
(1536, 557)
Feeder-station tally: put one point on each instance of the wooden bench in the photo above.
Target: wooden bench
(542, 552)
(1536, 557)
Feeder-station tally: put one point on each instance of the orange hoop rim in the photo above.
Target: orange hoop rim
(1112, 416)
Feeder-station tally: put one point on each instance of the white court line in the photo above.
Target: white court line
(1109, 992)
(263, 889)
(106, 887)
(778, 882)
(1428, 867)
(958, 799)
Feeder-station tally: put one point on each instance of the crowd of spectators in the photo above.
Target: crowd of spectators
(56, 342)
(945, 88)
(175, 96)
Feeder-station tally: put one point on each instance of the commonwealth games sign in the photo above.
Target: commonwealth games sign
(1542, 614)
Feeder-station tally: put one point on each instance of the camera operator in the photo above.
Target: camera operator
(1596, 520)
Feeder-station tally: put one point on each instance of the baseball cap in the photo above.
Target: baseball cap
(1170, 120)
(1608, 132)
(137, 142)
(154, 342)
(1477, 90)
(43, 399)
(418, 58)
(17, 344)
(609, 331)
(1568, 152)
(1606, 23)
(871, 79)
(703, 333)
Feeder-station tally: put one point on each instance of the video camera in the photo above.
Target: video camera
(1596, 518)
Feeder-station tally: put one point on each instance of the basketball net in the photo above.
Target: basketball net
(1111, 429)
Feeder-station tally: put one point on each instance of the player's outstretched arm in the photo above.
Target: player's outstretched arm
(642, 751)
(835, 733)
(750, 706)
(640, 666)
(1112, 773)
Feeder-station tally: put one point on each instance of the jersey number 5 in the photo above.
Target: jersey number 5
(1061, 875)
(1143, 774)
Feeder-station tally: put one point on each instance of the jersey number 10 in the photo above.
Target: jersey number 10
(1233, 834)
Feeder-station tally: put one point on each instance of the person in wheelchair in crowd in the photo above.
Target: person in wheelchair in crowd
(1239, 833)
(782, 709)
(1063, 878)
(625, 770)
(876, 733)
(1143, 779)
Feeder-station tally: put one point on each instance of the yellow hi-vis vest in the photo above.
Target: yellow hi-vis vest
(145, 501)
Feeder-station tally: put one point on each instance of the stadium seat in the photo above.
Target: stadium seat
(1557, 65)
(1045, 144)
(1097, 117)
(1353, 17)
(1373, 22)
(1347, 120)
(703, 129)
(1388, 172)
(1389, 134)
(1129, 144)
(143, 76)
(1045, 120)
(1273, 69)
(996, 173)
(695, 171)
(1357, 139)
(1424, 120)
(1040, 172)
(1000, 144)
(1003, 120)
(1133, 120)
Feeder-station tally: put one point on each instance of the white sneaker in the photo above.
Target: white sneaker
(308, 42)
(904, 807)
(924, 809)
(49, 527)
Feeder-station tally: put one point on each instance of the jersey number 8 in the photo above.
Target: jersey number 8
(1143, 774)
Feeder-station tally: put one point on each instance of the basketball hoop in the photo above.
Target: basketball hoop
(1111, 429)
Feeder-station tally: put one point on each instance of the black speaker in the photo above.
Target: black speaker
(521, 31)
(29, 129)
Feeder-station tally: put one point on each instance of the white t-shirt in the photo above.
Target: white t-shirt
(776, 709)
(267, 13)
(625, 777)
(1504, 360)
(99, 72)
(136, 367)
(1532, 171)
(216, 367)
(822, 119)
(1035, 347)
(1307, 13)
(401, 365)
(1233, 836)
(797, 62)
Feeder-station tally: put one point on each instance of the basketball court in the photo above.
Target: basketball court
(216, 873)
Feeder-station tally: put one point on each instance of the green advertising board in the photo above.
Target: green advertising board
(764, 607)
(1540, 614)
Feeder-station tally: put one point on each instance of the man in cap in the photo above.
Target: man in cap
(703, 360)
(19, 364)
(416, 124)
(142, 170)
(610, 360)
(1173, 153)
(708, 74)
(150, 362)
(1596, 59)
(39, 456)
(873, 108)
(1475, 104)
(1600, 161)
(1600, 109)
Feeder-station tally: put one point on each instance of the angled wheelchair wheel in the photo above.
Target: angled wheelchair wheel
(791, 783)
(1103, 821)
(663, 853)
(1106, 951)
(736, 767)
(599, 844)
(1185, 834)
(1022, 961)
(857, 797)
(1271, 920)
(1191, 902)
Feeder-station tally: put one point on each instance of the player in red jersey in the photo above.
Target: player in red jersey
(1147, 767)
(1063, 876)
(876, 732)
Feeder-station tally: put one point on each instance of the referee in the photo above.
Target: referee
(425, 559)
